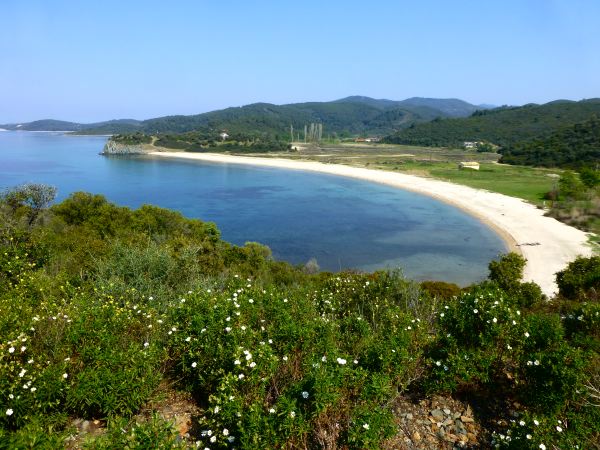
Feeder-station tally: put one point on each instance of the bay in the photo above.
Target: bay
(343, 223)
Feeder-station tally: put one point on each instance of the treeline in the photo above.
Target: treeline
(501, 126)
(572, 147)
(198, 141)
(104, 310)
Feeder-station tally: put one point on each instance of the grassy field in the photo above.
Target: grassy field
(442, 163)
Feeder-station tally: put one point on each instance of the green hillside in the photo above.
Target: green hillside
(346, 117)
(502, 126)
(574, 146)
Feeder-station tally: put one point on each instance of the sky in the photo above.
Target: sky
(92, 60)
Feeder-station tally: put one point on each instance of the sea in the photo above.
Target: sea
(343, 223)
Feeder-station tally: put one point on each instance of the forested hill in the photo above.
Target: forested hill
(349, 116)
(503, 126)
(574, 147)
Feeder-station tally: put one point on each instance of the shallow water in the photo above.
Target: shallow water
(343, 223)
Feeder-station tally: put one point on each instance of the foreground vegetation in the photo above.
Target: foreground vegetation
(101, 306)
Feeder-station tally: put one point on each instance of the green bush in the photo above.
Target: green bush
(580, 280)
(508, 271)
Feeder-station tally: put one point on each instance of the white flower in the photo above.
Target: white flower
(514, 322)
(65, 375)
(527, 335)
(253, 364)
(292, 414)
(243, 327)
(194, 364)
(240, 376)
(237, 362)
(355, 361)
(366, 426)
(536, 362)
(442, 315)
(559, 429)
(285, 358)
(304, 394)
(542, 446)
(508, 346)
(535, 422)
(475, 310)
(9, 412)
(217, 409)
(341, 361)
(438, 363)
(11, 350)
(33, 389)
(188, 339)
(494, 320)
(324, 358)
(228, 329)
(528, 436)
(23, 348)
(213, 439)
(146, 344)
(248, 356)
(272, 411)
(522, 423)
(225, 432)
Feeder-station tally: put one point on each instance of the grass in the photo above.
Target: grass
(530, 184)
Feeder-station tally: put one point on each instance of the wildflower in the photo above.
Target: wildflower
(514, 322)
(11, 350)
(33, 389)
(150, 298)
(213, 439)
(366, 426)
(241, 376)
(542, 446)
(270, 341)
(528, 436)
(231, 439)
(228, 329)
(30, 361)
(194, 364)
(9, 412)
(272, 411)
(341, 361)
(65, 375)
(438, 363)
(355, 361)
(237, 362)
(559, 429)
(217, 409)
(292, 414)
(21, 373)
(442, 315)
(225, 432)
(253, 364)
(285, 358)
(475, 310)
(146, 344)
(23, 348)
(324, 358)
(494, 320)
(250, 301)
(522, 423)
(304, 394)
(508, 346)
(188, 339)
(536, 363)
(248, 356)
(535, 422)
(526, 334)
(243, 327)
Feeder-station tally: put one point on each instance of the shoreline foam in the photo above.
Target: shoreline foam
(547, 244)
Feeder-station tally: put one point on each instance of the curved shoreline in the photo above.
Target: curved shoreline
(547, 244)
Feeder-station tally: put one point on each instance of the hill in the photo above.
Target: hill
(346, 117)
(502, 126)
(574, 146)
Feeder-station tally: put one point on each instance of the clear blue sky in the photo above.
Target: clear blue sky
(89, 60)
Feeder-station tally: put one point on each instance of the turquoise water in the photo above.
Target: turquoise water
(343, 223)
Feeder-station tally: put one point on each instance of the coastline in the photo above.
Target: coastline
(547, 244)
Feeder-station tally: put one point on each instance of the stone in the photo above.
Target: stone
(447, 411)
(466, 419)
(416, 436)
(447, 422)
(451, 437)
(457, 415)
(472, 437)
(438, 414)
(409, 416)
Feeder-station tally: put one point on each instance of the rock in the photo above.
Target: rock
(457, 415)
(466, 419)
(451, 437)
(115, 148)
(472, 437)
(438, 414)
(447, 422)
(447, 411)
(85, 425)
(416, 436)
(409, 416)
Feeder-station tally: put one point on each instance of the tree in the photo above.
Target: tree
(31, 197)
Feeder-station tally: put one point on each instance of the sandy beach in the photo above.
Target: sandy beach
(547, 244)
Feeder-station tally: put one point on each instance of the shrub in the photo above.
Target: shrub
(580, 280)
(508, 271)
